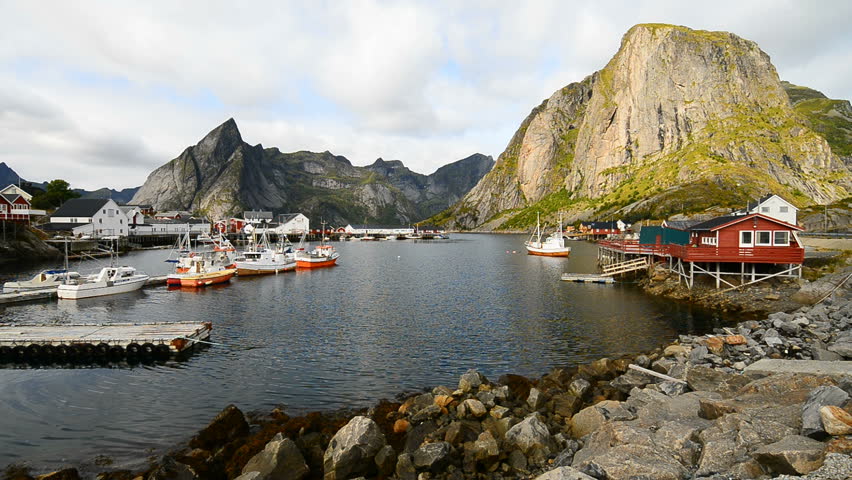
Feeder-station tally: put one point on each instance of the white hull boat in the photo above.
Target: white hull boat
(552, 246)
(46, 280)
(109, 281)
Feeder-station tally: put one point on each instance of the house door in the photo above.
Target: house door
(746, 238)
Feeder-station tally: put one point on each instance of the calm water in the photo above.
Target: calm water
(393, 316)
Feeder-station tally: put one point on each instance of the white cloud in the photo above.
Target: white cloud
(100, 94)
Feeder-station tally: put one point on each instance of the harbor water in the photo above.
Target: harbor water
(394, 316)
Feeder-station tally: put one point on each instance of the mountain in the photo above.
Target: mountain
(222, 175)
(679, 120)
(7, 175)
(120, 196)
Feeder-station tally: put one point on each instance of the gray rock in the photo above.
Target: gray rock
(472, 408)
(352, 449)
(432, 411)
(566, 405)
(835, 466)
(697, 354)
(579, 387)
(842, 347)
(517, 460)
(432, 456)
(564, 473)
(795, 455)
(487, 398)
(386, 461)
(485, 449)
(673, 388)
(471, 380)
(536, 399)
(169, 469)
(531, 437)
(405, 467)
(825, 355)
(820, 397)
(280, 459)
(630, 380)
(642, 360)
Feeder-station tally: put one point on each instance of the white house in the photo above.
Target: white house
(170, 227)
(774, 206)
(133, 213)
(377, 230)
(16, 190)
(97, 217)
(292, 224)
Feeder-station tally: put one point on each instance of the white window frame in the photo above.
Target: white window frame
(764, 209)
(708, 241)
(750, 244)
(776, 232)
(3, 207)
(756, 238)
(783, 209)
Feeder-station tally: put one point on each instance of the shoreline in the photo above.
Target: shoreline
(485, 427)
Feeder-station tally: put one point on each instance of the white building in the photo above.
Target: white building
(292, 224)
(774, 206)
(171, 227)
(377, 230)
(95, 217)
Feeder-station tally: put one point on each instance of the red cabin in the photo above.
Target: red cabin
(751, 238)
(14, 207)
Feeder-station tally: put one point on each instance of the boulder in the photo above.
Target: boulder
(462, 431)
(676, 351)
(169, 469)
(579, 387)
(812, 425)
(401, 426)
(711, 380)
(586, 421)
(518, 386)
(485, 449)
(499, 412)
(405, 467)
(531, 437)
(536, 399)
(472, 408)
(443, 401)
(418, 434)
(673, 389)
(564, 473)
(835, 420)
(714, 344)
(794, 455)
(249, 476)
(432, 456)
(630, 380)
(634, 461)
(566, 405)
(426, 413)
(280, 459)
(64, 474)
(228, 425)
(352, 449)
(471, 380)
(385, 461)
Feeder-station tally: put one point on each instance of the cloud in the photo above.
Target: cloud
(101, 94)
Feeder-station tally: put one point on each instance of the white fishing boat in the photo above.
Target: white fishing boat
(321, 256)
(44, 280)
(552, 246)
(109, 281)
(262, 259)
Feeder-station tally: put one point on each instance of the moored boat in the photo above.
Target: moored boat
(207, 278)
(552, 246)
(321, 256)
(44, 280)
(109, 281)
(264, 260)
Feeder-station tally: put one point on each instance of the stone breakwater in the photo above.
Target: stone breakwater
(704, 407)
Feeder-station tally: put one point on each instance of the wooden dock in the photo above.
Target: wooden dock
(586, 278)
(92, 341)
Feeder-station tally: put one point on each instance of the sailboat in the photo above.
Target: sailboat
(262, 259)
(552, 246)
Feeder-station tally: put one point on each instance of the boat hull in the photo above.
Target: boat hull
(244, 270)
(543, 252)
(207, 278)
(306, 263)
(100, 289)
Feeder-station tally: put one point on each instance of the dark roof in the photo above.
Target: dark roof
(286, 217)
(681, 224)
(10, 198)
(61, 227)
(80, 207)
(717, 222)
(760, 200)
(257, 215)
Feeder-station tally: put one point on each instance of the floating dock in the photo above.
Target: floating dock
(83, 342)
(586, 278)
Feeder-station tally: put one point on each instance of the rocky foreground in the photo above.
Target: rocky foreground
(705, 407)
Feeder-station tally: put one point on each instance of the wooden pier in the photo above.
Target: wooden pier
(93, 341)
(586, 278)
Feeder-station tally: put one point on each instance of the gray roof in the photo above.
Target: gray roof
(61, 227)
(80, 207)
(286, 217)
(682, 224)
(257, 215)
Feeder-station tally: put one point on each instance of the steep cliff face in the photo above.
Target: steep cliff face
(222, 175)
(675, 108)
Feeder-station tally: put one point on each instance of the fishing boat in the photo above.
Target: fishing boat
(109, 281)
(203, 269)
(43, 280)
(205, 278)
(262, 259)
(552, 246)
(321, 256)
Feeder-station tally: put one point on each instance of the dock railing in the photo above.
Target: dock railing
(688, 253)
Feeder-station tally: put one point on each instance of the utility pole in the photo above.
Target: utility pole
(825, 218)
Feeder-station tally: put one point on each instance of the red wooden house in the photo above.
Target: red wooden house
(14, 207)
(753, 238)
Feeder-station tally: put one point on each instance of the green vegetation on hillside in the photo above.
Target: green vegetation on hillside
(832, 119)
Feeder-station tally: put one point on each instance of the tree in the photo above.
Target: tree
(56, 194)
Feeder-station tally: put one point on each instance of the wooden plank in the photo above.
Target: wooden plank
(586, 278)
(27, 296)
(121, 334)
(655, 374)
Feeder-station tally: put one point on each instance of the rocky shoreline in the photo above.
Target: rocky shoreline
(703, 407)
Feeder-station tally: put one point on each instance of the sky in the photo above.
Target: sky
(100, 93)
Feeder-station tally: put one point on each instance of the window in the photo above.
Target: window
(110, 213)
(764, 239)
(764, 209)
(2, 207)
(708, 240)
(100, 220)
(121, 222)
(104, 212)
(782, 209)
(782, 239)
(746, 238)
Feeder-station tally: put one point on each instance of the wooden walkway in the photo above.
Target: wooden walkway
(177, 336)
(626, 266)
(586, 278)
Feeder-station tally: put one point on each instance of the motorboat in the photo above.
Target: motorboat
(109, 281)
(202, 270)
(551, 246)
(262, 259)
(43, 280)
(321, 256)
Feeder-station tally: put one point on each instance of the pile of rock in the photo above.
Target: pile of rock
(694, 409)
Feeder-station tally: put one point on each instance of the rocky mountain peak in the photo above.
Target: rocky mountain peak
(221, 142)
